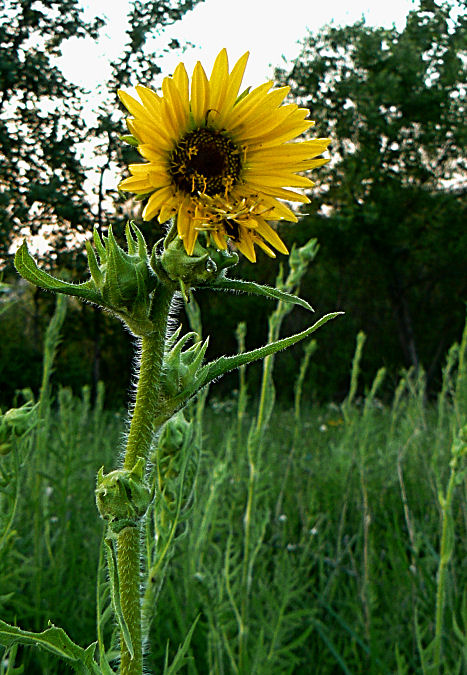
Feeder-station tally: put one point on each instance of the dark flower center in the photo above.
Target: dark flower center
(206, 161)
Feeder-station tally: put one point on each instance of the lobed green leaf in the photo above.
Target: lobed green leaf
(226, 363)
(54, 640)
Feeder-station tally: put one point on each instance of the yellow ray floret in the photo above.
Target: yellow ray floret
(218, 161)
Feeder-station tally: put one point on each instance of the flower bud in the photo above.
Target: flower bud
(199, 269)
(18, 421)
(176, 432)
(181, 366)
(123, 279)
(122, 497)
(176, 467)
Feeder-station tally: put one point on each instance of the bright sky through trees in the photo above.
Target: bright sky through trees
(269, 29)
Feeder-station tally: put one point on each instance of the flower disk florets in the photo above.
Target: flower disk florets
(205, 161)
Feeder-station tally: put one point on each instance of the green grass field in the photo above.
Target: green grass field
(307, 540)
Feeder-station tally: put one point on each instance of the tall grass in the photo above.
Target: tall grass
(325, 540)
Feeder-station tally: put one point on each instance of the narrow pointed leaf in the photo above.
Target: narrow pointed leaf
(54, 640)
(177, 348)
(142, 248)
(93, 265)
(115, 594)
(27, 268)
(200, 350)
(113, 251)
(173, 338)
(180, 659)
(99, 245)
(258, 289)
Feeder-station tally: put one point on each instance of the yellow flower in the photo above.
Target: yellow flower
(220, 162)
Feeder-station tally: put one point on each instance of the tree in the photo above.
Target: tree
(392, 228)
(41, 175)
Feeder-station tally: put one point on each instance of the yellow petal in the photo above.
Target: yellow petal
(191, 237)
(264, 123)
(219, 80)
(155, 155)
(245, 245)
(183, 219)
(247, 105)
(139, 169)
(159, 179)
(156, 201)
(199, 94)
(135, 184)
(266, 231)
(180, 78)
(281, 193)
(278, 179)
(231, 94)
(300, 150)
(133, 106)
(265, 247)
(265, 104)
(151, 100)
(145, 133)
(288, 130)
(174, 107)
(218, 239)
(167, 212)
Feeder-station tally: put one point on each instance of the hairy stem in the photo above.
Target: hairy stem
(138, 445)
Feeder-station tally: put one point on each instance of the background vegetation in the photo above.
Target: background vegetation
(326, 540)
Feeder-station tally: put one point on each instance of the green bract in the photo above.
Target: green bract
(122, 497)
(124, 280)
(203, 267)
(16, 422)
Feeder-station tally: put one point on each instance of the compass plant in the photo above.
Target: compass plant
(218, 164)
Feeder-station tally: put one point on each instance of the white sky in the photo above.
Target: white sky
(269, 29)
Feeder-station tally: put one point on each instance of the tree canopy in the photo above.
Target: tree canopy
(391, 222)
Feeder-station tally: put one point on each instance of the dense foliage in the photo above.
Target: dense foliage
(392, 220)
(41, 127)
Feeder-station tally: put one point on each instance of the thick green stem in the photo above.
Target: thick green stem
(138, 445)
(144, 412)
(128, 572)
